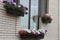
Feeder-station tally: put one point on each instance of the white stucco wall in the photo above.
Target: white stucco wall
(53, 28)
(7, 23)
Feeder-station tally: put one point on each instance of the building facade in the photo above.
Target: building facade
(9, 25)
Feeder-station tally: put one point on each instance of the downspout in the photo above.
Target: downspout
(29, 14)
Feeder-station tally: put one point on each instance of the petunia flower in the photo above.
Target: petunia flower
(22, 32)
(42, 30)
(36, 32)
(6, 2)
(45, 31)
(14, 0)
(25, 8)
(27, 30)
(26, 12)
(11, 3)
(33, 32)
(21, 5)
(14, 3)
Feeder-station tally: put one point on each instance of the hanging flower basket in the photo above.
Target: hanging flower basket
(12, 9)
(31, 34)
(46, 18)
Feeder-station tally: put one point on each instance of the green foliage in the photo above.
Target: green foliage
(13, 8)
(46, 19)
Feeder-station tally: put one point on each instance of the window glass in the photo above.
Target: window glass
(43, 6)
(24, 20)
(34, 13)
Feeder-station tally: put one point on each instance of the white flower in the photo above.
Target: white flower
(27, 30)
(14, 3)
(48, 14)
(37, 31)
(33, 31)
(26, 11)
(42, 30)
(19, 6)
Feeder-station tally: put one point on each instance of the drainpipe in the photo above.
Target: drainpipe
(29, 14)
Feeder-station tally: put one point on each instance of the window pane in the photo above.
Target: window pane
(24, 20)
(34, 13)
(42, 6)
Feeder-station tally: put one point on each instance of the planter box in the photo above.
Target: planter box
(15, 11)
(31, 36)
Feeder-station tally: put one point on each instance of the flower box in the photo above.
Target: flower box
(12, 9)
(46, 18)
(32, 34)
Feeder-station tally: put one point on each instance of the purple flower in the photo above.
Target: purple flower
(12, 3)
(14, 0)
(26, 13)
(21, 5)
(26, 8)
(45, 30)
(6, 2)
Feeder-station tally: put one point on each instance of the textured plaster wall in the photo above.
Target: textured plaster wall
(8, 23)
(53, 28)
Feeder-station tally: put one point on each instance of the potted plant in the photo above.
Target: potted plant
(46, 18)
(12, 9)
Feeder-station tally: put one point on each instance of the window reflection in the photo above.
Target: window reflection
(24, 20)
(34, 13)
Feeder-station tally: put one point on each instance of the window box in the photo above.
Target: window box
(12, 9)
(31, 34)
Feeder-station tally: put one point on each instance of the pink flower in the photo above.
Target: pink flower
(22, 32)
(44, 15)
(32, 32)
(36, 32)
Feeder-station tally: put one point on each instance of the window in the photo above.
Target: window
(43, 6)
(37, 7)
